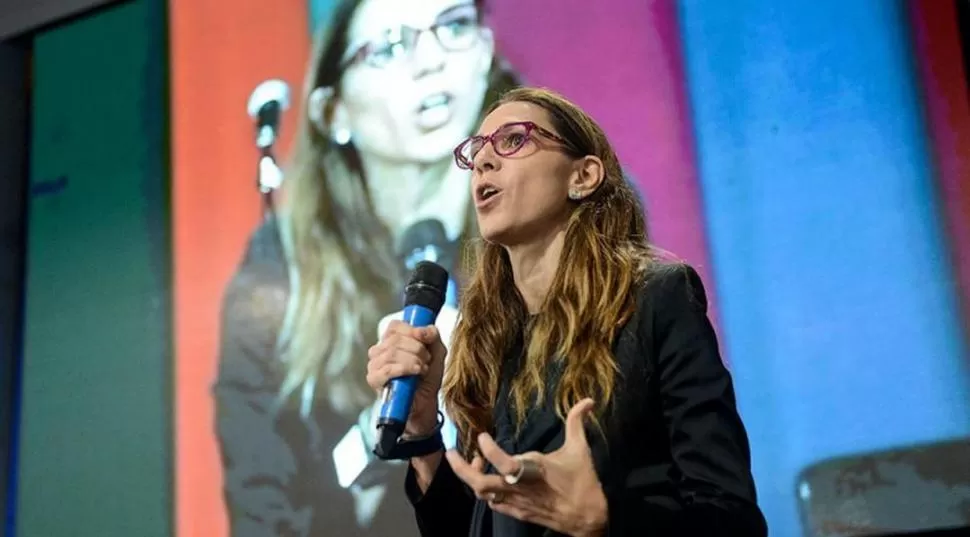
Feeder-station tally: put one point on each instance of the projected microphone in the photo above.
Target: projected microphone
(424, 296)
(266, 104)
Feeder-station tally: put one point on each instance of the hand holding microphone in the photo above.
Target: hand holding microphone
(388, 326)
(410, 362)
(354, 454)
(406, 350)
(445, 323)
(366, 427)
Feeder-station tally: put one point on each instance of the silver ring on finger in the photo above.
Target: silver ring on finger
(496, 497)
(528, 470)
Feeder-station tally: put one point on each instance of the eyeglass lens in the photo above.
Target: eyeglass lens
(455, 30)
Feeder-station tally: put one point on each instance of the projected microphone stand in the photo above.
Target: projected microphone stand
(269, 178)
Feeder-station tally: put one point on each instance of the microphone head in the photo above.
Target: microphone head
(421, 234)
(427, 286)
(426, 240)
(268, 91)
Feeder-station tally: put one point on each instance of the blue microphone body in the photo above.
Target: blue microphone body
(423, 298)
(399, 393)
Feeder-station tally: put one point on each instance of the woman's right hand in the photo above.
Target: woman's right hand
(405, 350)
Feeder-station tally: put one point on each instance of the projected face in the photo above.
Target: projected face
(415, 77)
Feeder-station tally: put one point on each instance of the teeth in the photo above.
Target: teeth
(488, 191)
(435, 100)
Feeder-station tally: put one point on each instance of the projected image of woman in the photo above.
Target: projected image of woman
(393, 86)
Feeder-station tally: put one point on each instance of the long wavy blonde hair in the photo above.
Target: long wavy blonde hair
(605, 255)
(343, 268)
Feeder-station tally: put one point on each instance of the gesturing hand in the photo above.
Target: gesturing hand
(564, 493)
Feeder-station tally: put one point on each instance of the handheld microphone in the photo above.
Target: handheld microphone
(427, 240)
(424, 297)
(354, 454)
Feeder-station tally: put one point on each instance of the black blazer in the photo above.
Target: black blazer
(675, 459)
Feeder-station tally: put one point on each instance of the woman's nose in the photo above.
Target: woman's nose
(428, 55)
(486, 160)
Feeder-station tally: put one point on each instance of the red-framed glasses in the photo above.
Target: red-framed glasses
(506, 140)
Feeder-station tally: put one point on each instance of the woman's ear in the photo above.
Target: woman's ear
(329, 115)
(317, 104)
(587, 177)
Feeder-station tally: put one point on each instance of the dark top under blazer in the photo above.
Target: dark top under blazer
(675, 460)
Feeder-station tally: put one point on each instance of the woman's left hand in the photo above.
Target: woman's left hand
(565, 496)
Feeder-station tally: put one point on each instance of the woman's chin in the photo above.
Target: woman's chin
(494, 232)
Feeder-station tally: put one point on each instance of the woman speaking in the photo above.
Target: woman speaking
(584, 377)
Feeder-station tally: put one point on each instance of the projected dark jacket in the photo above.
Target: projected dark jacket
(279, 473)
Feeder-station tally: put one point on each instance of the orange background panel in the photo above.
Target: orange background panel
(220, 51)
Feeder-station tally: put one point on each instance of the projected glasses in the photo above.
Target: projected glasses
(456, 29)
(507, 140)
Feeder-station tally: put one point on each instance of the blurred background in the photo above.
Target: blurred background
(811, 159)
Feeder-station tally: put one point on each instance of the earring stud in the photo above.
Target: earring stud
(574, 194)
(341, 136)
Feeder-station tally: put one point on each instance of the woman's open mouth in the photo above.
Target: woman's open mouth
(434, 111)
